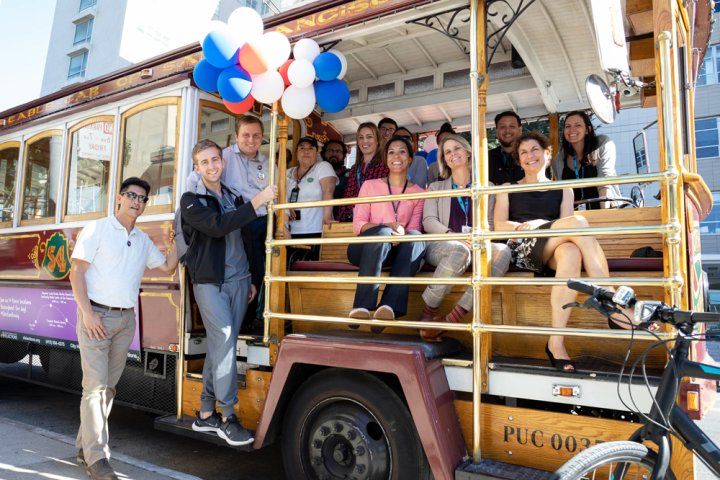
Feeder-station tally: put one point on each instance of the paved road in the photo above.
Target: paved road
(143, 449)
(133, 435)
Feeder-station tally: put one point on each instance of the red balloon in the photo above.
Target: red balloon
(239, 108)
(251, 59)
(284, 71)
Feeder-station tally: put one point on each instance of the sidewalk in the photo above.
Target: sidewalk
(28, 453)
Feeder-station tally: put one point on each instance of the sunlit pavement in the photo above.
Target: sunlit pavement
(30, 453)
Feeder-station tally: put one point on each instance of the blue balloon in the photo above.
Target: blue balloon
(234, 84)
(220, 48)
(206, 76)
(327, 66)
(332, 96)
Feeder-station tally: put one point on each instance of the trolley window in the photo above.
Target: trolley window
(41, 178)
(9, 154)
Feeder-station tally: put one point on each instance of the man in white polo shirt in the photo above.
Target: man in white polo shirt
(108, 262)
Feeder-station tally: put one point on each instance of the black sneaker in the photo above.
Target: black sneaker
(234, 434)
(210, 424)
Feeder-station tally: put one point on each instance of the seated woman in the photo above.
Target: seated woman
(391, 219)
(369, 164)
(312, 179)
(567, 255)
(586, 155)
(443, 215)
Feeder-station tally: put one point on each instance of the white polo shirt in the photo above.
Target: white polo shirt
(311, 219)
(117, 261)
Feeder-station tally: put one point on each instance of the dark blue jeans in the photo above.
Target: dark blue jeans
(404, 260)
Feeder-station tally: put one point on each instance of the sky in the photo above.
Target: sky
(24, 35)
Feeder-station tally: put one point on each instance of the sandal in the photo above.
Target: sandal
(559, 364)
(433, 335)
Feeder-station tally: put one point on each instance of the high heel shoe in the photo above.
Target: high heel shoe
(559, 363)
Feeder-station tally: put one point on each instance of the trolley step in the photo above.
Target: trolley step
(170, 423)
(491, 470)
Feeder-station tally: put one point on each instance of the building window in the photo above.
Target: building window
(710, 70)
(8, 169)
(217, 126)
(711, 225)
(83, 31)
(90, 154)
(78, 63)
(84, 4)
(706, 137)
(148, 150)
(42, 172)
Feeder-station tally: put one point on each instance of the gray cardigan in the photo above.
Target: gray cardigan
(603, 158)
(436, 212)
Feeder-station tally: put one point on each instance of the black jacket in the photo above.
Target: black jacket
(502, 170)
(205, 227)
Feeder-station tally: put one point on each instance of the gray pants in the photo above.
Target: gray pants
(222, 308)
(102, 364)
(451, 259)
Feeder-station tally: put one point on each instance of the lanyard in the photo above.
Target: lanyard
(581, 172)
(396, 205)
(464, 202)
(298, 180)
(360, 172)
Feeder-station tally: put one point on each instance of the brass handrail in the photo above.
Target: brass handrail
(489, 190)
(468, 280)
(495, 235)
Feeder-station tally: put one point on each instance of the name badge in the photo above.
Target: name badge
(466, 229)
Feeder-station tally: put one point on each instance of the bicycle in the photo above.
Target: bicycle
(631, 459)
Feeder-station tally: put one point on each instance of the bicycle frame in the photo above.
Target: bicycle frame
(665, 409)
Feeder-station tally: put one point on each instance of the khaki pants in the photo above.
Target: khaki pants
(102, 363)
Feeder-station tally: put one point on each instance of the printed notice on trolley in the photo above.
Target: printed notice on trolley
(45, 316)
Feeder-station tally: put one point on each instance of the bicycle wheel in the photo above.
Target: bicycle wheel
(612, 460)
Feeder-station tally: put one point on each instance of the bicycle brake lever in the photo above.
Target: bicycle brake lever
(572, 304)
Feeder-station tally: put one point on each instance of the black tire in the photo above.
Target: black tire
(349, 424)
(638, 460)
(12, 351)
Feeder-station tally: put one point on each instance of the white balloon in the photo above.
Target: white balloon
(203, 29)
(307, 49)
(343, 61)
(267, 87)
(246, 23)
(301, 73)
(276, 49)
(298, 103)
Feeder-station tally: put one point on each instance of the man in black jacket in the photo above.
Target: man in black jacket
(212, 218)
(503, 168)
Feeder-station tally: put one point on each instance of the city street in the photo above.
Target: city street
(141, 452)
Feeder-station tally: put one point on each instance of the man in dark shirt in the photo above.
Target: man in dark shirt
(503, 168)
(334, 152)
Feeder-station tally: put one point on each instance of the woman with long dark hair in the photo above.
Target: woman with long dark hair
(369, 164)
(583, 154)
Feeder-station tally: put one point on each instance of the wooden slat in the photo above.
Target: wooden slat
(640, 15)
(642, 57)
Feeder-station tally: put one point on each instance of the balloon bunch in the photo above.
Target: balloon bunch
(245, 65)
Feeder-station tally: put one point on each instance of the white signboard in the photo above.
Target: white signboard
(610, 33)
(95, 141)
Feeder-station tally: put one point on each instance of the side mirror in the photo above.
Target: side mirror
(601, 98)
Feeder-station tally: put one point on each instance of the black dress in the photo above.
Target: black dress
(526, 206)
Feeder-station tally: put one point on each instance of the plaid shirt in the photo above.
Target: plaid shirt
(355, 181)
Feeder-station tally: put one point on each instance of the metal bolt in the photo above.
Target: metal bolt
(509, 452)
(359, 451)
(324, 431)
(317, 444)
(360, 468)
(351, 435)
(338, 427)
(510, 418)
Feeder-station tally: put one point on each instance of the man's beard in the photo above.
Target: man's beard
(506, 144)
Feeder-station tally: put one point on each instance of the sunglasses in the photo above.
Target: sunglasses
(132, 196)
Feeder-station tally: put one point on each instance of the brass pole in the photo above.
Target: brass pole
(270, 223)
(671, 188)
(180, 364)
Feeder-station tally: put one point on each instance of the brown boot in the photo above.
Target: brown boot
(101, 470)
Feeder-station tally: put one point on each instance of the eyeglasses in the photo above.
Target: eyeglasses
(132, 196)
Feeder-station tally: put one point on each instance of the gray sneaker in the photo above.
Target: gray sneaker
(210, 424)
(234, 434)
(101, 470)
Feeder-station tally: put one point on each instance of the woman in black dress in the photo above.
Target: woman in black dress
(566, 255)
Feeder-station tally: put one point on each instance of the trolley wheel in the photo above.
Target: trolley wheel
(350, 425)
(623, 460)
(11, 351)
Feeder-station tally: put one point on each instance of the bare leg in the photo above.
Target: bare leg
(566, 261)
